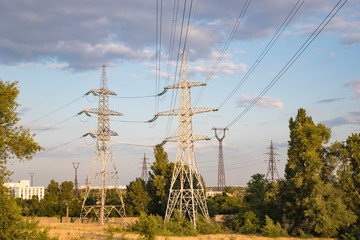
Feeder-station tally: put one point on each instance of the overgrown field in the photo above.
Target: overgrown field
(75, 231)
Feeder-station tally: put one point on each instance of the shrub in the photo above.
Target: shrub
(251, 223)
(205, 227)
(273, 230)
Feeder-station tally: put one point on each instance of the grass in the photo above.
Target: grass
(79, 231)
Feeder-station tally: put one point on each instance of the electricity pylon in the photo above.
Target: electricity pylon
(272, 169)
(144, 171)
(186, 191)
(103, 153)
(221, 169)
(32, 178)
(76, 166)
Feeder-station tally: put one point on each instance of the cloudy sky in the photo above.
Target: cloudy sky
(241, 49)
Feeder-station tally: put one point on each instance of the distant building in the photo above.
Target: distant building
(23, 190)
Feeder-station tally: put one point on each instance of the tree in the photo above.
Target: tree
(307, 195)
(15, 142)
(261, 197)
(304, 167)
(159, 181)
(327, 211)
(137, 196)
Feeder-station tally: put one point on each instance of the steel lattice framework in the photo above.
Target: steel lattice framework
(221, 169)
(144, 170)
(103, 154)
(186, 191)
(272, 169)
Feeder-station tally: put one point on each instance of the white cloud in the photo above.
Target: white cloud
(355, 86)
(351, 39)
(264, 102)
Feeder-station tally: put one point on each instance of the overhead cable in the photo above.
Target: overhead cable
(299, 52)
(278, 33)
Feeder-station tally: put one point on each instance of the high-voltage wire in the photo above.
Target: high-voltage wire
(293, 59)
(226, 46)
(278, 33)
(58, 109)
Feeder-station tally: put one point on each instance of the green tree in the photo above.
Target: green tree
(137, 196)
(15, 142)
(261, 197)
(159, 182)
(304, 167)
(327, 211)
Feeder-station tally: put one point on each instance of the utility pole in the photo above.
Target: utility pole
(32, 178)
(144, 171)
(272, 169)
(221, 169)
(187, 190)
(76, 166)
(103, 153)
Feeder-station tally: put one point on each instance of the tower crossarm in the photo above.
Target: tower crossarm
(98, 112)
(95, 133)
(192, 111)
(103, 91)
(185, 85)
(193, 138)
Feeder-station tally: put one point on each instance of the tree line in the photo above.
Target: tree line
(318, 196)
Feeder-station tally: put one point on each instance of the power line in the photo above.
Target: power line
(305, 45)
(278, 33)
(227, 44)
(58, 109)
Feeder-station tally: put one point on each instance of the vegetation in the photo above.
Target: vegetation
(15, 143)
(319, 195)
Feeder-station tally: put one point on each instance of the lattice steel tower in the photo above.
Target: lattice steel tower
(144, 171)
(103, 153)
(272, 169)
(76, 166)
(187, 192)
(32, 178)
(221, 169)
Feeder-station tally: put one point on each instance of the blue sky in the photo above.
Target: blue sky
(55, 51)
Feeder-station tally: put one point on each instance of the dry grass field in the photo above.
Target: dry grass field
(77, 231)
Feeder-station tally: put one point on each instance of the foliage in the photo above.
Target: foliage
(15, 142)
(137, 197)
(159, 182)
(224, 204)
(248, 223)
(327, 211)
(304, 167)
(208, 227)
(261, 197)
(272, 230)
(150, 226)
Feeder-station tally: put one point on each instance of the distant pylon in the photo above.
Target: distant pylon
(187, 190)
(103, 153)
(272, 169)
(76, 166)
(144, 171)
(221, 169)
(32, 178)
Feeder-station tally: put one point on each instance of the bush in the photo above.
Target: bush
(250, 224)
(205, 227)
(273, 230)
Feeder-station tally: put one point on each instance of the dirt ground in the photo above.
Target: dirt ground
(77, 231)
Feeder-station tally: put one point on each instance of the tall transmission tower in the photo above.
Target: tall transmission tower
(221, 169)
(272, 169)
(76, 166)
(103, 154)
(32, 178)
(186, 192)
(144, 171)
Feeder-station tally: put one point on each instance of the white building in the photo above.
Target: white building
(23, 190)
